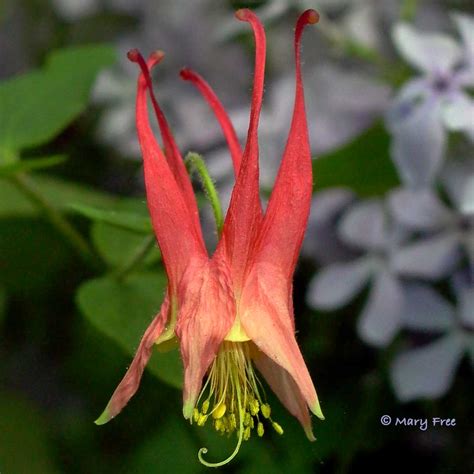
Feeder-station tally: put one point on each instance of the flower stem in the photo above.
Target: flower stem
(137, 257)
(75, 240)
(195, 162)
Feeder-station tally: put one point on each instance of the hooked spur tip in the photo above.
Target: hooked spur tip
(311, 16)
(156, 55)
(185, 73)
(133, 55)
(242, 14)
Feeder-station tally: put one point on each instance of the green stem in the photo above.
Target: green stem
(137, 257)
(194, 162)
(75, 240)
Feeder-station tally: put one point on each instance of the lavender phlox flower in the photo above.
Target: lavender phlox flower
(368, 228)
(444, 234)
(428, 370)
(432, 102)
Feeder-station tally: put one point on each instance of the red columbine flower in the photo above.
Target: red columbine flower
(233, 311)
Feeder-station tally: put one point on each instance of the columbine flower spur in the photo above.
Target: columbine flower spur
(232, 312)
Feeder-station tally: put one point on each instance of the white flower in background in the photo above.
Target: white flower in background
(116, 92)
(186, 43)
(428, 371)
(446, 233)
(433, 102)
(367, 227)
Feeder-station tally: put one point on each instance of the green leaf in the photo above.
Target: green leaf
(117, 245)
(122, 219)
(123, 310)
(59, 192)
(31, 164)
(363, 165)
(24, 443)
(36, 106)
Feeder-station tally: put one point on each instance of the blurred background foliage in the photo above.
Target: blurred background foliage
(81, 277)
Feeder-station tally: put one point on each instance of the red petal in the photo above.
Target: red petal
(173, 223)
(288, 209)
(220, 113)
(244, 215)
(205, 316)
(172, 152)
(286, 390)
(266, 319)
(130, 382)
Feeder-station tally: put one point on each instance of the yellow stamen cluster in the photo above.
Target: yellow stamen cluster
(232, 399)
